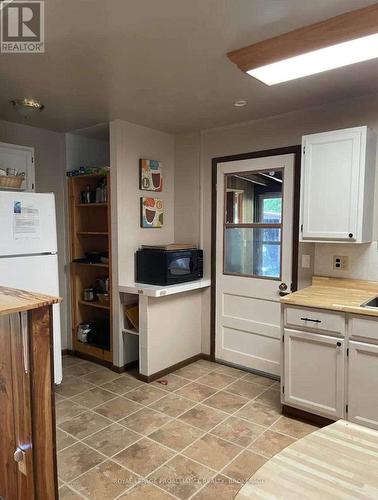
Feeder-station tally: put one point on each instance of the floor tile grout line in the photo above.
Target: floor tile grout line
(145, 481)
(203, 432)
(181, 452)
(175, 418)
(196, 404)
(106, 459)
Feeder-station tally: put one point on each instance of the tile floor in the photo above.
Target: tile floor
(202, 435)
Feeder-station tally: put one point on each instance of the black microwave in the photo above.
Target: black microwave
(168, 267)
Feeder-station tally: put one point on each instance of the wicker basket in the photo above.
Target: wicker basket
(11, 181)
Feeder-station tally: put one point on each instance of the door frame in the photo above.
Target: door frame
(297, 151)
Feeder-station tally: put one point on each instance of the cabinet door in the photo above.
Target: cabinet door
(330, 185)
(20, 158)
(362, 384)
(314, 373)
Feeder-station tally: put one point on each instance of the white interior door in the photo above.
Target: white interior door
(253, 259)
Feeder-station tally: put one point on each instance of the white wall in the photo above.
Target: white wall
(85, 151)
(129, 143)
(187, 188)
(49, 177)
(269, 133)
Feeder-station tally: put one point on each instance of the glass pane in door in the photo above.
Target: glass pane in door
(253, 223)
(253, 197)
(253, 252)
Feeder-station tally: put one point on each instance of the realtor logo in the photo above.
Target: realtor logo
(22, 27)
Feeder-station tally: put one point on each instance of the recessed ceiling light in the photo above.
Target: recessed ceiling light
(240, 104)
(27, 106)
(336, 42)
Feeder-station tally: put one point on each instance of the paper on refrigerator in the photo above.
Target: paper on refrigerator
(26, 221)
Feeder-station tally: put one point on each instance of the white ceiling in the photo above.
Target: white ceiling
(162, 63)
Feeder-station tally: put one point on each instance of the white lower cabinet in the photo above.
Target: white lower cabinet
(314, 373)
(363, 384)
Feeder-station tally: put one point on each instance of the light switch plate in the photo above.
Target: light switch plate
(306, 261)
(340, 262)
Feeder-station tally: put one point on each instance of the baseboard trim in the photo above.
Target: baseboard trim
(173, 368)
(307, 416)
(133, 365)
(125, 368)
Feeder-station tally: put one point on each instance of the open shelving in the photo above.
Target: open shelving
(90, 231)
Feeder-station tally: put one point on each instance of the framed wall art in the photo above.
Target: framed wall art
(151, 212)
(150, 175)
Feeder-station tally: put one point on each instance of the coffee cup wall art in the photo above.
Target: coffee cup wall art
(151, 175)
(151, 210)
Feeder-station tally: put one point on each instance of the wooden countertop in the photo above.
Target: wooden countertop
(336, 294)
(337, 461)
(13, 300)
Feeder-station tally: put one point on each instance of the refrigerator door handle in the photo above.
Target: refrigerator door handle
(25, 343)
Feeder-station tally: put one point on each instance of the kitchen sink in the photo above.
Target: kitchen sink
(371, 303)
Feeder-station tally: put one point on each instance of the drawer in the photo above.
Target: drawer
(363, 327)
(315, 320)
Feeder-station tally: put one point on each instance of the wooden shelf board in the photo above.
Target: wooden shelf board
(92, 233)
(88, 264)
(90, 349)
(94, 304)
(86, 176)
(92, 205)
(130, 331)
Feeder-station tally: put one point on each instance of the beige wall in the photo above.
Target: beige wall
(274, 132)
(187, 188)
(129, 143)
(50, 172)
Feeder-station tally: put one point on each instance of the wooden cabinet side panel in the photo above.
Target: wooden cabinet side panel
(22, 409)
(43, 405)
(8, 468)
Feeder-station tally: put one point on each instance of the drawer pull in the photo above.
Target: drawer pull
(312, 320)
(338, 344)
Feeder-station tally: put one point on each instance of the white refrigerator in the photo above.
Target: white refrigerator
(28, 251)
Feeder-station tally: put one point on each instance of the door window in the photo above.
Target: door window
(253, 224)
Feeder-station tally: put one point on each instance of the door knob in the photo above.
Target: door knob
(282, 289)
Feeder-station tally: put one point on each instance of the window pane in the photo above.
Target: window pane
(272, 210)
(253, 252)
(253, 197)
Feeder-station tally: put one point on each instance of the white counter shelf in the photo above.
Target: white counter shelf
(170, 324)
(162, 291)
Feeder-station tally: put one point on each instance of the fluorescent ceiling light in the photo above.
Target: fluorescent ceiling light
(317, 61)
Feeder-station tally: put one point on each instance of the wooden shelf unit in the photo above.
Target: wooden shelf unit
(89, 231)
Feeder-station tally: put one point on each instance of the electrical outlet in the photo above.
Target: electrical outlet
(340, 262)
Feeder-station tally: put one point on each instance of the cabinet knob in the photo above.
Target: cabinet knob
(18, 455)
(338, 344)
(350, 235)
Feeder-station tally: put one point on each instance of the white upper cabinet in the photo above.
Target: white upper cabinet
(337, 186)
(20, 158)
